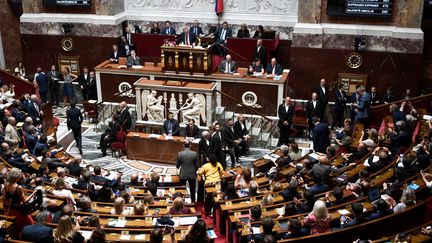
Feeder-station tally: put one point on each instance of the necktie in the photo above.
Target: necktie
(195, 30)
(191, 131)
(36, 107)
(187, 39)
(168, 31)
(169, 127)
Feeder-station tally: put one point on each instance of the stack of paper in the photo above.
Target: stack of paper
(117, 223)
(188, 220)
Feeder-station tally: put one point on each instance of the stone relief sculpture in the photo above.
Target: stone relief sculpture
(194, 108)
(152, 106)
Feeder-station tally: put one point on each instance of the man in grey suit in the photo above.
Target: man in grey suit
(133, 59)
(228, 65)
(187, 161)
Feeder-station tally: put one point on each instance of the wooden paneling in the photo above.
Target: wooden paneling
(110, 84)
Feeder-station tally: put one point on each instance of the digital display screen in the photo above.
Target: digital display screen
(366, 8)
(67, 3)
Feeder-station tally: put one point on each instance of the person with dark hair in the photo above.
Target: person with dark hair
(74, 120)
(191, 130)
(258, 32)
(261, 53)
(295, 229)
(320, 135)
(291, 191)
(156, 236)
(198, 233)
(307, 205)
(187, 162)
(68, 91)
(221, 36)
(256, 68)
(98, 179)
(400, 138)
(255, 213)
(97, 236)
(217, 146)
(152, 188)
(313, 108)
(268, 235)
(286, 115)
(337, 194)
(243, 32)
(359, 218)
(290, 209)
(340, 106)
(389, 96)
(168, 29)
(381, 209)
(230, 192)
(171, 126)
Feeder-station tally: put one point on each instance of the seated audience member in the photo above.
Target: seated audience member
(294, 151)
(230, 192)
(243, 181)
(267, 227)
(426, 179)
(191, 130)
(255, 213)
(319, 219)
(74, 167)
(41, 146)
(155, 28)
(409, 168)
(359, 218)
(397, 113)
(133, 59)
(212, 171)
(139, 209)
(338, 196)
(115, 54)
(294, 229)
(168, 29)
(67, 231)
(197, 233)
(85, 184)
(256, 68)
(290, 209)
(179, 207)
(38, 232)
(98, 179)
(67, 210)
(276, 187)
(243, 32)
(372, 140)
(97, 236)
(407, 200)
(320, 173)
(242, 133)
(400, 139)
(228, 65)
(267, 200)
(171, 126)
(186, 37)
(307, 204)
(86, 205)
(274, 68)
(196, 29)
(381, 209)
(134, 180)
(291, 191)
(120, 207)
(61, 191)
(259, 32)
(389, 96)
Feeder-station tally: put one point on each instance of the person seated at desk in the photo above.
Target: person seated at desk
(191, 130)
(133, 59)
(115, 54)
(155, 28)
(171, 126)
(186, 37)
(228, 65)
(168, 30)
(274, 68)
(196, 29)
(243, 32)
(259, 32)
(256, 68)
(179, 207)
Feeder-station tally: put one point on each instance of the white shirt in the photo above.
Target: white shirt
(228, 67)
(314, 103)
(223, 34)
(323, 89)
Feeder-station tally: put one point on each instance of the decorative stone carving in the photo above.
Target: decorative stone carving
(152, 106)
(194, 108)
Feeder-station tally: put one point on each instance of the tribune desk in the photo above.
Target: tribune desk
(142, 147)
(186, 59)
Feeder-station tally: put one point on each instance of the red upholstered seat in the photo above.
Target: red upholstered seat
(120, 142)
(56, 121)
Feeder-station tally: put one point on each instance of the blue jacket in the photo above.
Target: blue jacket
(278, 69)
(38, 233)
(363, 106)
(42, 81)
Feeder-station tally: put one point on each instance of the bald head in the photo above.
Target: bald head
(123, 104)
(205, 134)
(34, 98)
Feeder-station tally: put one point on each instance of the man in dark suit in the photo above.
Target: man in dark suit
(389, 96)
(375, 98)
(98, 179)
(133, 59)
(228, 65)
(217, 146)
(243, 134)
(286, 115)
(74, 167)
(339, 108)
(359, 218)
(186, 37)
(323, 96)
(124, 117)
(53, 84)
(171, 126)
(321, 135)
(313, 108)
(203, 148)
(221, 37)
(401, 138)
(196, 29)
(355, 97)
(42, 82)
(363, 107)
(39, 232)
(34, 110)
(90, 87)
(74, 120)
(125, 48)
(83, 79)
(168, 30)
(232, 140)
(187, 162)
(261, 52)
(191, 130)
(274, 68)
(115, 54)
(128, 36)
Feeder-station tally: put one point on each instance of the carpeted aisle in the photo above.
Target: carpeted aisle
(209, 222)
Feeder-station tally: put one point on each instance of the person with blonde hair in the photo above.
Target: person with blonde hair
(179, 207)
(120, 207)
(408, 199)
(319, 219)
(67, 232)
(61, 191)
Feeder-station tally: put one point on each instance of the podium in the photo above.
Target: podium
(186, 60)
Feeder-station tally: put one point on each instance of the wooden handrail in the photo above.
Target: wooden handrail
(241, 103)
(412, 100)
(4, 72)
(21, 86)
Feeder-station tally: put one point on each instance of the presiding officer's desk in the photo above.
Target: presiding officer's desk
(142, 147)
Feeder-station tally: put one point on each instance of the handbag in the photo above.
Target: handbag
(30, 206)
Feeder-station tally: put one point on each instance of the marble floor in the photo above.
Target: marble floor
(91, 136)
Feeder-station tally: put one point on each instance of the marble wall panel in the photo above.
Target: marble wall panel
(79, 29)
(309, 11)
(10, 38)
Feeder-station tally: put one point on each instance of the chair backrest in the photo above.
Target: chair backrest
(120, 136)
(122, 60)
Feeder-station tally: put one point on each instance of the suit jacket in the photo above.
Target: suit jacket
(229, 135)
(187, 161)
(243, 33)
(175, 127)
(203, 149)
(193, 133)
(128, 37)
(39, 148)
(74, 169)
(219, 34)
(223, 64)
(53, 78)
(30, 141)
(311, 111)
(323, 97)
(239, 131)
(74, 118)
(278, 69)
(125, 119)
(12, 135)
(285, 115)
(123, 49)
(91, 89)
(82, 79)
(340, 100)
(115, 55)
(216, 147)
(261, 54)
(42, 81)
(321, 137)
(182, 38)
(375, 99)
(133, 62)
(388, 98)
(196, 30)
(38, 233)
(172, 31)
(33, 112)
(363, 106)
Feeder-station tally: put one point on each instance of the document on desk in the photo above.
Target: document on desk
(139, 237)
(154, 136)
(117, 223)
(137, 66)
(112, 175)
(86, 234)
(125, 237)
(343, 212)
(188, 220)
(256, 230)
